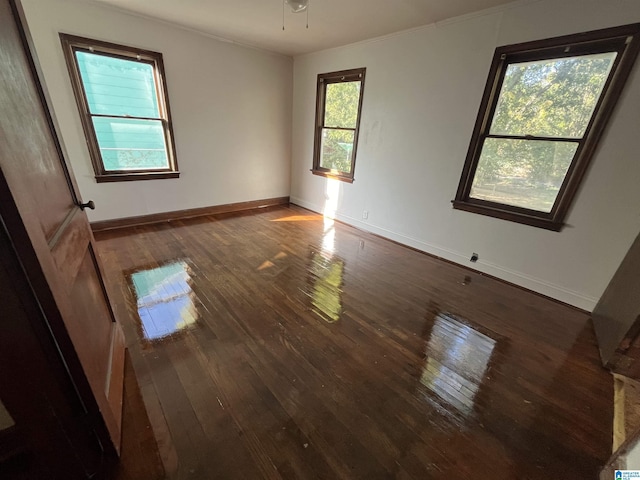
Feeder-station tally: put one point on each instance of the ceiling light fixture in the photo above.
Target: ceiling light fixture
(296, 6)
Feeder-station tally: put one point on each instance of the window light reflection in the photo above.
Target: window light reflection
(165, 300)
(457, 357)
(329, 239)
(297, 218)
(327, 274)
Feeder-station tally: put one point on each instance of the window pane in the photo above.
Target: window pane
(128, 144)
(337, 146)
(551, 98)
(341, 104)
(522, 173)
(118, 87)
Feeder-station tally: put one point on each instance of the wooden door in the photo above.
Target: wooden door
(58, 249)
(46, 430)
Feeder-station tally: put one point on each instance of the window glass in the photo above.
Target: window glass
(338, 102)
(118, 87)
(544, 109)
(551, 98)
(337, 148)
(522, 173)
(124, 109)
(341, 104)
(131, 144)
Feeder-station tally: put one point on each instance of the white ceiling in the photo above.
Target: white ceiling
(332, 23)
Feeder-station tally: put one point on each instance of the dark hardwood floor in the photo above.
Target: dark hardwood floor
(140, 457)
(275, 344)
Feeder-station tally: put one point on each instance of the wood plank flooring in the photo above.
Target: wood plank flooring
(140, 458)
(276, 344)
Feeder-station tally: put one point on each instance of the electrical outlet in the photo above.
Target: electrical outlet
(474, 257)
(365, 214)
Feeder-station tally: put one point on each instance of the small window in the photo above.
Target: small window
(544, 108)
(338, 106)
(122, 97)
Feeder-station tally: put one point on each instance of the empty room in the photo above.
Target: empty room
(311, 239)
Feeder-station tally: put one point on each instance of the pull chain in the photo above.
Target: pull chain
(307, 11)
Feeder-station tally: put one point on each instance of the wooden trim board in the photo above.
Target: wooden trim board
(189, 213)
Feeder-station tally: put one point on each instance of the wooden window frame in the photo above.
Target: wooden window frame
(72, 44)
(324, 79)
(626, 41)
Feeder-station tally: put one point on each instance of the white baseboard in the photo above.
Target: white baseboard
(538, 285)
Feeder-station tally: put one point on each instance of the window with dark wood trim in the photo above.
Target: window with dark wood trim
(544, 109)
(338, 107)
(122, 97)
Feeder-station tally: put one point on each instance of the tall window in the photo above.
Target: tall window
(338, 106)
(544, 108)
(122, 98)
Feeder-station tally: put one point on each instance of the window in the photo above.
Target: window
(122, 97)
(338, 106)
(544, 108)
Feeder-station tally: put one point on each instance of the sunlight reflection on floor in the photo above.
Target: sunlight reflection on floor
(165, 300)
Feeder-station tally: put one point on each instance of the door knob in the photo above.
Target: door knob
(89, 204)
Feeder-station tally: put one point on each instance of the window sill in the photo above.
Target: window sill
(335, 176)
(512, 216)
(132, 177)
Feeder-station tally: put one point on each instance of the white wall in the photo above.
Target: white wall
(633, 457)
(421, 98)
(230, 105)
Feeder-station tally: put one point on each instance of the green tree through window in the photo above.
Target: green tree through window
(339, 101)
(544, 108)
(546, 99)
